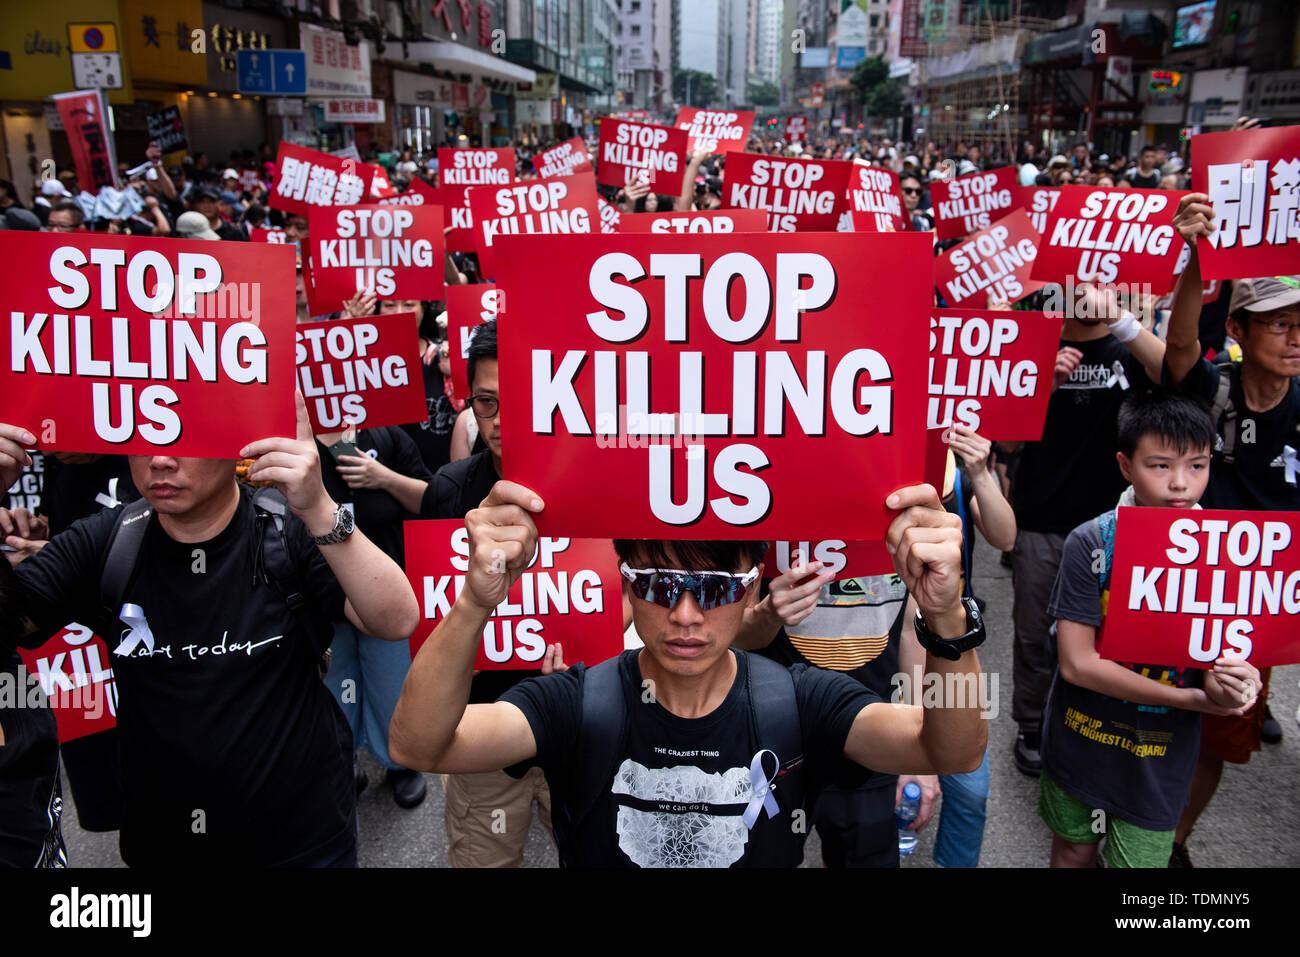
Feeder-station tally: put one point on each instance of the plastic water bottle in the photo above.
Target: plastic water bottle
(907, 811)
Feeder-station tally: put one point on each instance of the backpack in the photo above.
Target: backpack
(603, 733)
(1222, 410)
(272, 566)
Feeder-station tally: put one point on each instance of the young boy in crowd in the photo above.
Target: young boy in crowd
(1141, 786)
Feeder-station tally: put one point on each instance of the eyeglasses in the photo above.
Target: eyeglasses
(485, 406)
(1277, 327)
(60, 228)
(665, 586)
(911, 192)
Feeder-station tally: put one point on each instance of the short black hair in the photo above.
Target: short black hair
(1149, 148)
(1180, 420)
(482, 345)
(68, 206)
(696, 556)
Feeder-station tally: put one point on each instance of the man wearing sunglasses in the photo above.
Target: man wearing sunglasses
(686, 752)
(1255, 404)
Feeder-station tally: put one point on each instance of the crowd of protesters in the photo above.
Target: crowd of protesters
(270, 754)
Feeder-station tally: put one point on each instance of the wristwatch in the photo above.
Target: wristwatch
(343, 526)
(952, 648)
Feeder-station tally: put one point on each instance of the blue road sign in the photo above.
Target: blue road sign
(280, 72)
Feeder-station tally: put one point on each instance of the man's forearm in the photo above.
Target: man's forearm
(408, 491)
(1150, 351)
(954, 738)
(1182, 341)
(436, 691)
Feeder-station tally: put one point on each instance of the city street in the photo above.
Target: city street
(1254, 820)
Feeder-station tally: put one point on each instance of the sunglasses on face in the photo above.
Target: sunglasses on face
(665, 586)
(911, 192)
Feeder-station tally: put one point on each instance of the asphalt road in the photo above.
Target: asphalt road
(1254, 820)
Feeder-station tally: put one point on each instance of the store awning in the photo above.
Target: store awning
(460, 59)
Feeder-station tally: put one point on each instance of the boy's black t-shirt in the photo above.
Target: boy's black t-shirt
(1263, 473)
(1133, 761)
(1070, 475)
(227, 716)
(685, 761)
(375, 511)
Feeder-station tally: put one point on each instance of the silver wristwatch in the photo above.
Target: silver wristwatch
(343, 526)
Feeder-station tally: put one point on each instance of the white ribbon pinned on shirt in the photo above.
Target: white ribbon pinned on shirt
(761, 789)
(1117, 375)
(139, 633)
(1290, 462)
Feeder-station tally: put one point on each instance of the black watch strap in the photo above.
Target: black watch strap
(953, 648)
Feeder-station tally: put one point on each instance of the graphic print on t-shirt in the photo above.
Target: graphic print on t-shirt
(681, 816)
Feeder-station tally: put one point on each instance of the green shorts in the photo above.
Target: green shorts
(1127, 846)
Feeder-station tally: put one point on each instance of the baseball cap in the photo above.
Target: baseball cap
(52, 187)
(230, 174)
(1058, 160)
(965, 168)
(16, 217)
(194, 225)
(1265, 293)
(207, 192)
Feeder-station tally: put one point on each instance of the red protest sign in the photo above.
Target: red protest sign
(992, 371)
(563, 204)
(797, 373)
(85, 120)
(802, 195)
(1190, 586)
(641, 153)
(307, 179)
(610, 216)
(394, 251)
(75, 672)
(147, 346)
(714, 131)
(468, 306)
(1109, 235)
(875, 200)
(418, 193)
(1038, 202)
(380, 187)
(458, 171)
(796, 129)
(842, 559)
(1253, 180)
(712, 221)
(994, 264)
(564, 160)
(277, 236)
(571, 593)
(363, 371)
(969, 203)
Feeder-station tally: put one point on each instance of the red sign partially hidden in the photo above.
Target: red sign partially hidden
(75, 672)
(458, 171)
(970, 203)
(641, 153)
(994, 264)
(712, 221)
(276, 236)
(562, 204)
(144, 346)
(764, 363)
(393, 251)
(799, 195)
(1253, 180)
(564, 160)
(992, 371)
(307, 179)
(841, 558)
(85, 120)
(468, 306)
(1190, 586)
(1038, 202)
(875, 200)
(610, 216)
(714, 131)
(417, 193)
(796, 129)
(364, 372)
(380, 187)
(571, 593)
(1111, 235)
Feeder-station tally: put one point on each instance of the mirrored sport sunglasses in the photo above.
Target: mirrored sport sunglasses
(665, 586)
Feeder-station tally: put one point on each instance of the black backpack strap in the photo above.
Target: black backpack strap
(123, 552)
(602, 738)
(1223, 411)
(275, 566)
(775, 711)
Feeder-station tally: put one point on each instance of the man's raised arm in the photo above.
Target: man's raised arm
(1194, 218)
(434, 728)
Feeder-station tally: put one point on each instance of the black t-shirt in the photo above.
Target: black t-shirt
(685, 761)
(227, 716)
(1261, 475)
(375, 511)
(1133, 761)
(1070, 475)
(433, 436)
(1142, 180)
(75, 491)
(458, 488)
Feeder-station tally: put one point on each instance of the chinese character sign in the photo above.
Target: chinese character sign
(307, 179)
